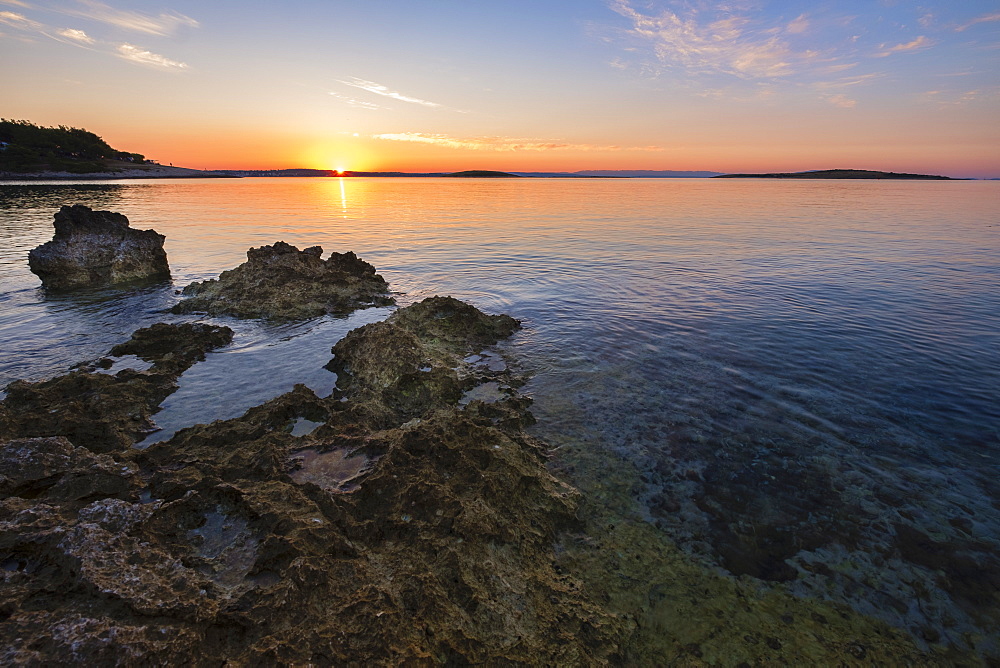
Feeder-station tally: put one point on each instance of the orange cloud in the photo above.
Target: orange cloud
(919, 43)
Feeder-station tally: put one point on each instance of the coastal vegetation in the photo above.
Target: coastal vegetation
(26, 147)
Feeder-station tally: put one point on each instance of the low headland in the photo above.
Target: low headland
(30, 152)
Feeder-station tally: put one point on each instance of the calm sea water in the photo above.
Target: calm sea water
(805, 376)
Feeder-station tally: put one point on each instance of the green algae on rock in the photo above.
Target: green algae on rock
(280, 282)
(428, 341)
(689, 613)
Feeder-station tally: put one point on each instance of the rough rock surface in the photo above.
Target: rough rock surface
(419, 375)
(95, 248)
(418, 531)
(104, 412)
(411, 526)
(280, 282)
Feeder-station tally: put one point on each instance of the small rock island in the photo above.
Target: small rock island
(97, 248)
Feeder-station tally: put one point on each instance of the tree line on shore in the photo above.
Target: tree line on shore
(26, 147)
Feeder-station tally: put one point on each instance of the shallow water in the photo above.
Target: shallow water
(804, 376)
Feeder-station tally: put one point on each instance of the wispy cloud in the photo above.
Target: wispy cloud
(16, 3)
(379, 89)
(360, 104)
(841, 67)
(139, 55)
(960, 98)
(19, 21)
(985, 18)
(80, 38)
(731, 94)
(734, 50)
(163, 25)
(799, 25)
(504, 143)
(841, 100)
(847, 82)
(76, 35)
(727, 45)
(918, 44)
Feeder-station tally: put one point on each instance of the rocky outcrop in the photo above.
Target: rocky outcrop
(104, 412)
(280, 282)
(412, 522)
(96, 248)
(415, 530)
(420, 373)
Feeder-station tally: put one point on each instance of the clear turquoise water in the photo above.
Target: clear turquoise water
(803, 374)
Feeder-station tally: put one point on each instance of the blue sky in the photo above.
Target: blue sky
(551, 84)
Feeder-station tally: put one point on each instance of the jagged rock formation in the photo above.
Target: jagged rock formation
(95, 248)
(407, 523)
(420, 374)
(280, 282)
(413, 531)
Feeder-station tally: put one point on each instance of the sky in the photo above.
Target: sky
(517, 85)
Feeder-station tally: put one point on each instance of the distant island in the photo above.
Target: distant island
(646, 174)
(484, 174)
(839, 174)
(478, 173)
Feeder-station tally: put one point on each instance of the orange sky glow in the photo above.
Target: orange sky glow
(566, 86)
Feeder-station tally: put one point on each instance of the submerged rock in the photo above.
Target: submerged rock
(95, 248)
(280, 282)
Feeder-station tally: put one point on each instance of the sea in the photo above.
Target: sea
(803, 376)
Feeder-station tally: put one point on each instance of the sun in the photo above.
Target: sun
(340, 170)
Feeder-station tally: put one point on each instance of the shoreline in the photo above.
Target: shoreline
(411, 493)
(153, 173)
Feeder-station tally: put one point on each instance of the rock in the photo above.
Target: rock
(280, 282)
(106, 413)
(52, 469)
(95, 248)
(174, 348)
(453, 325)
(424, 536)
(404, 366)
(407, 529)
